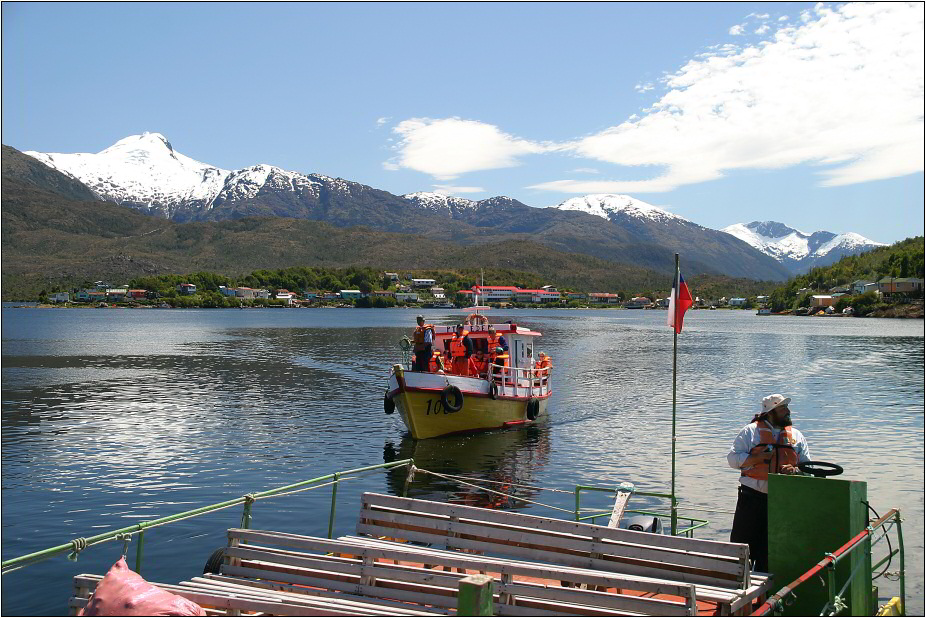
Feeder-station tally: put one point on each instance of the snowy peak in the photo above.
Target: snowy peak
(146, 142)
(146, 172)
(439, 202)
(611, 206)
(798, 250)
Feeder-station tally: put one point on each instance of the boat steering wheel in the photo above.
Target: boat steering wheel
(820, 469)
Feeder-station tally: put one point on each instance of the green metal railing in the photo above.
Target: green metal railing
(693, 522)
(75, 546)
(835, 598)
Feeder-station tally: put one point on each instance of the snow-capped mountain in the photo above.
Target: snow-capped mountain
(615, 207)
(142, 170)
(798, 250)
(438, 202)
(145, 172)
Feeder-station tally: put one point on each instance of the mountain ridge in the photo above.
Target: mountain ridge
(798, 250)
(146, 172)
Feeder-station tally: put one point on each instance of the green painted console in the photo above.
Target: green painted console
(808, 517)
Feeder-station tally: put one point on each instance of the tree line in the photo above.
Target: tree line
(900, 260)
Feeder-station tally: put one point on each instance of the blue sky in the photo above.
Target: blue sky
(720, 112)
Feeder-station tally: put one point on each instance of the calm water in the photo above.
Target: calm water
(118, 416)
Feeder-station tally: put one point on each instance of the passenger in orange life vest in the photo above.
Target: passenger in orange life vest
(542, 367)
(461, 348)
(498, 364)
(478, 364)
(495, 341)
(422, 339)
(768, 444)
(436, 364)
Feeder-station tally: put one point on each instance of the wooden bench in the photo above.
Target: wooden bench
(222, 596)
(720, 571)
(413, 577)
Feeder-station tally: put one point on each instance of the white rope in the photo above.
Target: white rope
(556, 508)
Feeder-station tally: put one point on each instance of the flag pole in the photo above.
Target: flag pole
(674, 512)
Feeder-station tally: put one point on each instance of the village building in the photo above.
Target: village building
(605, 298)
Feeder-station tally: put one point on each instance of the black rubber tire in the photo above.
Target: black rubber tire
(493, 391)
(215, 561)
(454, 392)
(533, 409)
(388, 404)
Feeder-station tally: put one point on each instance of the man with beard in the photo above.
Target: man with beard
(768, 444)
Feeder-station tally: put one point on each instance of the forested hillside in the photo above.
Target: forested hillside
(902, 259)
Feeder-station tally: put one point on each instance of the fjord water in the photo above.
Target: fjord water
(111, 417)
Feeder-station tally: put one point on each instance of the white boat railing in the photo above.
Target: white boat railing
(521, 381)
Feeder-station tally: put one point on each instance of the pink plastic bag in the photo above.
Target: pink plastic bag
(123, 592)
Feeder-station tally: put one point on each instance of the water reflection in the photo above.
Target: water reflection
(508, 461)
(109, 417)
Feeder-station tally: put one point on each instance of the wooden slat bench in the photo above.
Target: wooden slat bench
(428, 579)
(225, 597)
(720, 571)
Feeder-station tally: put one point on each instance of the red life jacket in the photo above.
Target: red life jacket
(783, 453)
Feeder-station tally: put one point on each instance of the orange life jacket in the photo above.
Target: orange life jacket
(435, 362)
(477, 368)
(457, 348)
(492, 342)
(783, 453)
(418, 337)
(543, 365)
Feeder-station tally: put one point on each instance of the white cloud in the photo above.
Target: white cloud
(644, 87)
(585, 170)
(762, 29)
(842, 90)
(737, 30)
(381, 121)
(783, 18)
(452, 190)
(448, 147)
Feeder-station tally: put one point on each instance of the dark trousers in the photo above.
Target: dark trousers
(422, 359)
(750, 525)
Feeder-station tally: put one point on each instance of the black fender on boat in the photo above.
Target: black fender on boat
(451, 392)
(388, 404)
(493, 390)
(533, 409)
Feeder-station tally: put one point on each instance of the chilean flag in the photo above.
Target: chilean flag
(679, 302)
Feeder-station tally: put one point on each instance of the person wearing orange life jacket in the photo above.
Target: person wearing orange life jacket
(493, 341)
(422, 339)
(478, 364)
(461, 348)
(542, 368)
(498, 365)
(436, 363)
(769, 444)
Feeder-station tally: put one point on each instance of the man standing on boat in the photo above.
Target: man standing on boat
(423, 340)
(494, 341)
(768, 444)
(461, 348)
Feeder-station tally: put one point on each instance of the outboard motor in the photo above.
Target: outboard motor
(643, 523)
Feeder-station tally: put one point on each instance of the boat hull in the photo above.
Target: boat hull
(417, 398)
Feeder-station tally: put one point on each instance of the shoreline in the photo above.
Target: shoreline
(908, 311)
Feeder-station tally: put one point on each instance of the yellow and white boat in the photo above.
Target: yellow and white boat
(442, 403)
